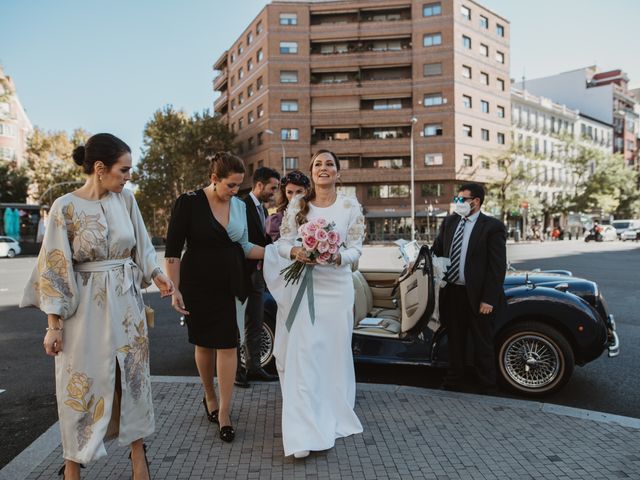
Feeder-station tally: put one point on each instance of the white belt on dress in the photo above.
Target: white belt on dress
(108, 265)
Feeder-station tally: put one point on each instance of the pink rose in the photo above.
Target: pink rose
(309, 243)
(333, 237)
(333, 249)
(321, 235)
(323, 247)
(311, 228)
(324, 258)
(321, 222)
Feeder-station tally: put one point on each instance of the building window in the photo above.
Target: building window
(288, 105)
(288, 19)
(249, 65)
(240, 73)
(233, 127)
(484, 134)
(250, 91)
(260, 111)
(289, 134)
(250, 118)
(499, 30)
(432, 9)
(433, 130)
(432, 69)
(291, 163)
(7, 130)
(240, 98)
(431, 189)
(484, 50)
(501, 139)
(250, 143)
(249, 38)
(347, 190)
(7, 153)
(259, 28)
(250, 170)
(288, 48)
(288, 76)
(484, 78)
(239, 124)
(466, 12)
(431, 159)
(259, 83)
(466, 101)
(233, 104)
(260, 138)
(499, 57)
(232, 58)
(466, 72)
(484, 22)
(500, 112)
(467, 160)
(466, 42)
(500, 84)
(388, 104)
(467, 131)
(484, 106)
(240, 49)
(432, 39)
(388, 191)
(259, 55)
(432, 100)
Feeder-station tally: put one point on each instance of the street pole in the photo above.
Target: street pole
(413, 185)
(284, 158)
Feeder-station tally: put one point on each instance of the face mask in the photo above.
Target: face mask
(462, 209)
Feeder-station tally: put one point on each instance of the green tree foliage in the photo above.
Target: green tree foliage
(50, 164)
(14, 183)
(174, 160)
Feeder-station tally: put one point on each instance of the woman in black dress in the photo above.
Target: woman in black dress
(211, 280)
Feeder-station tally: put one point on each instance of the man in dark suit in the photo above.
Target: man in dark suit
(474, 295)
(265, 184)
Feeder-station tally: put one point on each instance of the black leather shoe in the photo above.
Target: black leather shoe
(261, 374)
(211, 416)
(241, 379)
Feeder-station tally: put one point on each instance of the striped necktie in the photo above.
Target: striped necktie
(261, 215)
(453, 272)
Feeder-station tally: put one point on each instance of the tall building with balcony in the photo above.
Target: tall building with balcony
(604, 96)
(15, 127)
(366, 79)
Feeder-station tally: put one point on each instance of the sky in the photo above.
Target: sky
(107, 66)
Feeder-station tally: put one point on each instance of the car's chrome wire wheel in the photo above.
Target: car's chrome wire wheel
(266, 347)
(532, 361)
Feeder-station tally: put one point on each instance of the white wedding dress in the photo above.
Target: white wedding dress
(314, 360)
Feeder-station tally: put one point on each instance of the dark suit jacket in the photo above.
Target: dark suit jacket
(486, 261)
(257, 235)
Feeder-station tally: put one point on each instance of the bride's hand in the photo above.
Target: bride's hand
(299, 254)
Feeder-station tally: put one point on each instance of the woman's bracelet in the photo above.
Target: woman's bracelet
(54, 329)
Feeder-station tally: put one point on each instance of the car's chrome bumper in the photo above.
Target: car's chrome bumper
(613, 340)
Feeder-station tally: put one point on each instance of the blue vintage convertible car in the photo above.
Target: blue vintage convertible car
(554, 321)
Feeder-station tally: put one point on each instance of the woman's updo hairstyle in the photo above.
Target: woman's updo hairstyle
(223, 164)
(102, 147)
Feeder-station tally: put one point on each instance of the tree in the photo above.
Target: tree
(174, 160)
(50, 163)
(14, 183)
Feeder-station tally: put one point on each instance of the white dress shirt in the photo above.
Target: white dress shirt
(468, 228)
(260, 209)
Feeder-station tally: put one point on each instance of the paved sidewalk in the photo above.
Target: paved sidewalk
(409, 433)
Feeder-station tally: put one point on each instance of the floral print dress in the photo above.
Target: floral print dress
(95, 258)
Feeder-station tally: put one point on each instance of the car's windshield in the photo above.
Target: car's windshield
(620, 224)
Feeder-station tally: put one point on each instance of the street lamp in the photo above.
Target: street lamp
(414, 120)
(284, 164)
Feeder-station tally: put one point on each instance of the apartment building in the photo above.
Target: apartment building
(15, 126)
(366, 79)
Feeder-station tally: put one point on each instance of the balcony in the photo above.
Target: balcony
(354, 53)
(221, 102)
(368, 81)
(363, 19)
(220, 82)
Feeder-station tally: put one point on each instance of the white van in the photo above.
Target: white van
(622, 225)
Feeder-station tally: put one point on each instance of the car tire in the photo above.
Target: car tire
(534, 359)
(267, 342)
(11, 253)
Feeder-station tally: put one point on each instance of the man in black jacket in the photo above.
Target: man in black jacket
(474, 295)
(265, 184)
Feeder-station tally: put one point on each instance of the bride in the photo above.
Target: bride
(313, 355)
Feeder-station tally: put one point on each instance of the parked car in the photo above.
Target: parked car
(9, 247)
(622, 225)
(553, 322)
(607, 234)
(630, 234)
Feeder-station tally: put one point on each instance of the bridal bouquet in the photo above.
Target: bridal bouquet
(320, 241)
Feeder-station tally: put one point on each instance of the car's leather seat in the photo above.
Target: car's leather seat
(364, 309)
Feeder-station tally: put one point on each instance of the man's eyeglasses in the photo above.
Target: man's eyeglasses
(461, 199)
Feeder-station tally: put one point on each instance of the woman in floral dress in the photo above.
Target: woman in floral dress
(95, 259)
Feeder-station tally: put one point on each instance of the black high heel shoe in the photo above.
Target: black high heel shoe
(61, 471)
(211, 416)
(227, 433)
(144, 446)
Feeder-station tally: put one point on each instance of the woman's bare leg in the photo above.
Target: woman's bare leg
(227, 364)
(206, 363)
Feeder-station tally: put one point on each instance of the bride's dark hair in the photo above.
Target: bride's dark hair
(301, 216)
